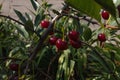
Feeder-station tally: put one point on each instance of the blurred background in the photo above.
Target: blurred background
(24, 6)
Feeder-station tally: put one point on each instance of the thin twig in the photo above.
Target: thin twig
(8, 17)
(12, 19)
(82, 18)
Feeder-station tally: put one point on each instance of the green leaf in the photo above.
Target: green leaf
(0, 7)
(29, 17)
(116, 2)
(14, 50)
(22, 31)
(49, 5)
(72, 64)
(108, 5)
(29, 26)
(114, 23)
(97, 58)
(21, 17)
(37, 20)
(87, 34)
(35, 4)
(41, 55)
(89, 7)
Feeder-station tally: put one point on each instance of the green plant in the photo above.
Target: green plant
(72, 52)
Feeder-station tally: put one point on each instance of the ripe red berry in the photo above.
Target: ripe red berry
(73, 35)
(101, 37)
(61, 45)
(52, 40)
(76, 44)
(45, 23)
(13, 66)
(105, 14)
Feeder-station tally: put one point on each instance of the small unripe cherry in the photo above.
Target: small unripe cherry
(61, 45)
(102, 37)
(105, 14)
(45, 23)
(52, 40)
(73, 35)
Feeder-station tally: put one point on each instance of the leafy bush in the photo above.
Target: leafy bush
(64, 47)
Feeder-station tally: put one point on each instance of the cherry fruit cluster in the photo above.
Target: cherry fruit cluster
(73, 36)
(62, 44)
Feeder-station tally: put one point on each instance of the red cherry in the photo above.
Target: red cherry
(44, 23)
(105, 14)
(73, 35)
(14, 66)
(52, 40)
(101, 37)
(61, 45)
(76, 44)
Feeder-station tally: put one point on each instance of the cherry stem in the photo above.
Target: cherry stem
(101, 44)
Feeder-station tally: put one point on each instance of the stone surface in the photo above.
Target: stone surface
(24, 6)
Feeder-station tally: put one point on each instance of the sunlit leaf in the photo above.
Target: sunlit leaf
(35, 4)
(22, 31)
(38, 19)
(89, 7)
(108, 5)
(87, 34)
(29, 17)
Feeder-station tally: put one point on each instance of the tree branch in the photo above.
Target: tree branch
(40, 42)
(12, 19)
(81, 18)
